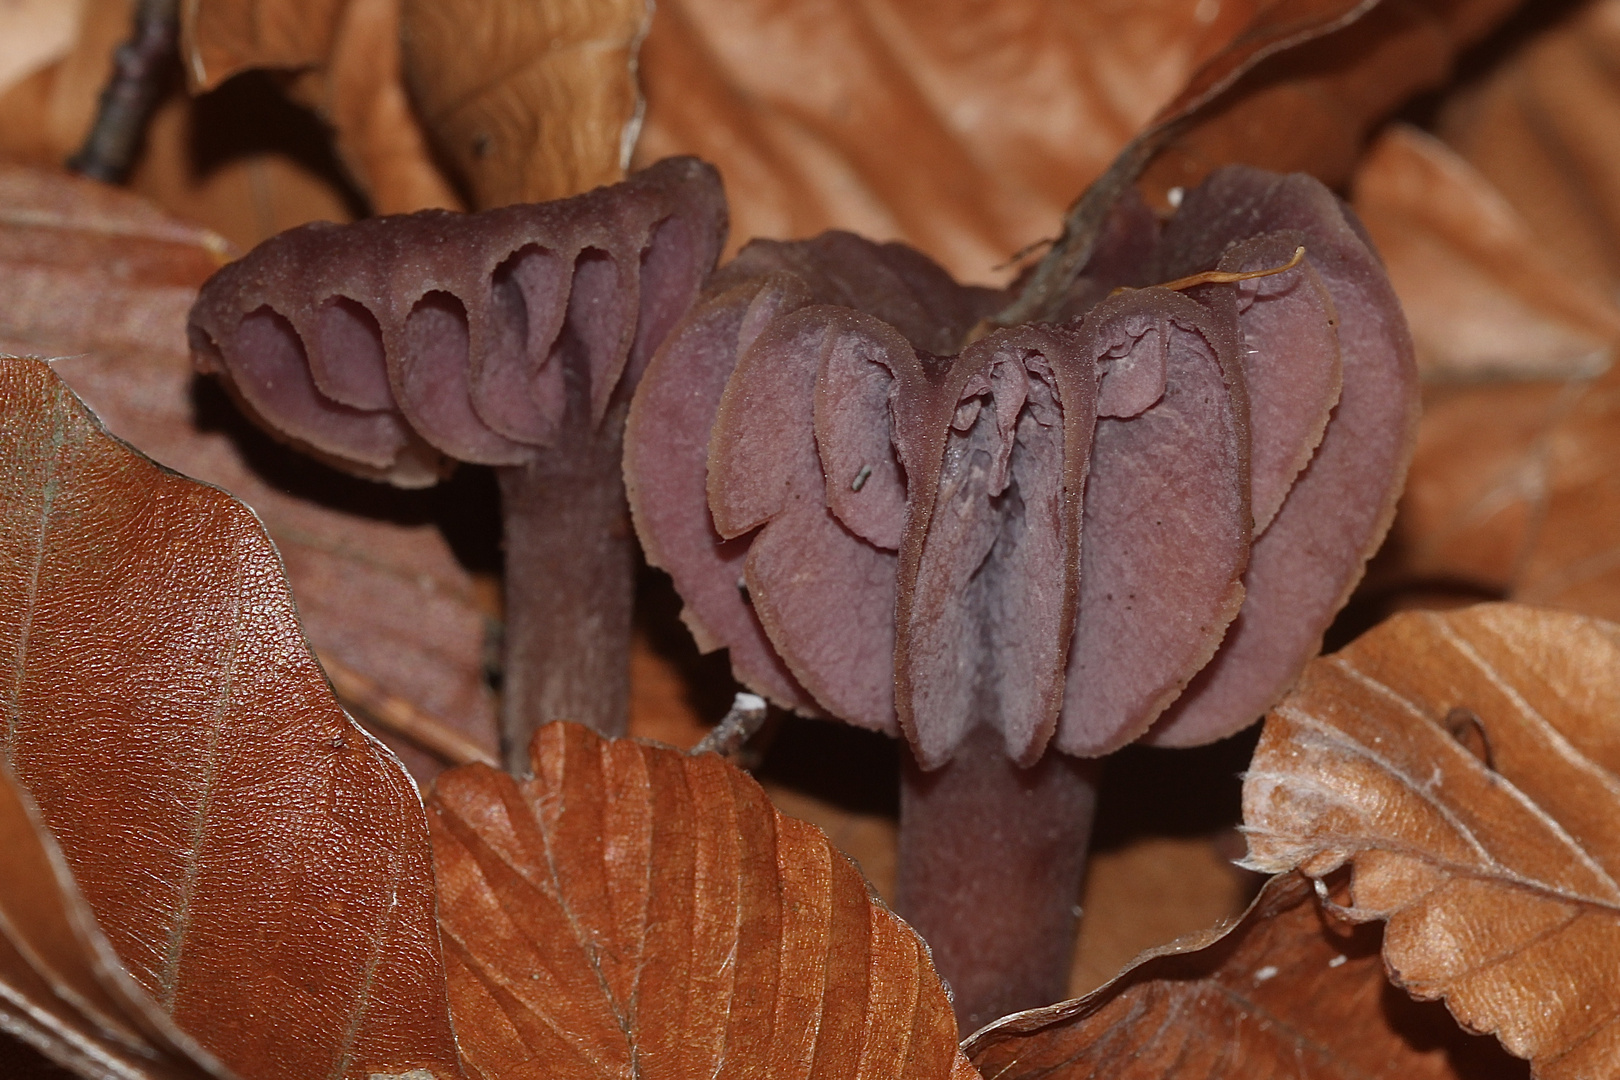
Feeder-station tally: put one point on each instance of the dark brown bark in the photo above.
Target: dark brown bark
(570, 569)
(991, 861)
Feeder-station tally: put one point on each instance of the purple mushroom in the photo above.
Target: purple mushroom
(1132, 521)
(397, 346)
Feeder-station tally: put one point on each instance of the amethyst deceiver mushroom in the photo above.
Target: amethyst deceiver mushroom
(397, 346)
(1133, 521)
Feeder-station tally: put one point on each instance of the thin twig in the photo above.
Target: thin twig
(399, 717)
(140, 68)
(739, 725)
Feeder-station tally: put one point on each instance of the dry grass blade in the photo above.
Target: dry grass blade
(1287, 991)
(257, 862)
(631, 909)
(1467, 765)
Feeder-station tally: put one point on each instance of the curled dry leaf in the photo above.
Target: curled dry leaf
(1467, 766)
(630, 908)
(258, 863)
(345, 56)
(104, 280)
(1288, 991)
(1304, 82)
(532, 101)
(1485, 295)
(242, 161)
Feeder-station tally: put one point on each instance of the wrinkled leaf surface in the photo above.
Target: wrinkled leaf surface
(257, 862)
(631, 910)
(1467, 766)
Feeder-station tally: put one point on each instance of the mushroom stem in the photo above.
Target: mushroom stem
(990, 865)
(570, 579)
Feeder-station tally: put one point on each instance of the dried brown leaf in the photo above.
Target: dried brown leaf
(258, 863)
(1300, 88)
(528, 102)
(631, 908)
(1540, 126)
(1513, 488)
(1285, 992)
(36, 33)
(242, 161)
(961, 128)
(346, 57)
(104, 280)
(1467, 766)
(1485, 296)
(62, 988)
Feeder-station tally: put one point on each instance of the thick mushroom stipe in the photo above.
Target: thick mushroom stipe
(397, 346)
(994, 890)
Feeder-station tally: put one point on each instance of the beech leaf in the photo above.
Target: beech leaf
(62, 988)
(632, 910)
(1467, 766)
(1539, 126)
(1287, 991)
(530, 102)
(1485, 295)
(1304, 82)
(1512, 489)
(257, 862)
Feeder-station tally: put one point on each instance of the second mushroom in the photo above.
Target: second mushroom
(1132, 520)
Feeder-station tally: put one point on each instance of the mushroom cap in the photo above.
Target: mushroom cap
(394, 346)
(1142, 517)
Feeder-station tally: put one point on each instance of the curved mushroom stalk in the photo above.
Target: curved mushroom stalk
(1043, 540)
(396, 346)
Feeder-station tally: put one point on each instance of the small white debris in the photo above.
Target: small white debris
(746, 702)
(1175, 195)
(1075, 911)
(1267, 972)
(1338, 961)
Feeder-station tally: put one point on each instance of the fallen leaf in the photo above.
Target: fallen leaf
(243, 160)
(1485, 296)
(1300, 88)
(633, 908)
(36, 33)
(62, 988)
(1467, 766)
(1288, 991)
(963, 129)
(257, 862)
(1513, 489)
(104, 280)
(344, 58)
(529, 102)
(1540, 126)
(1147, 892)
